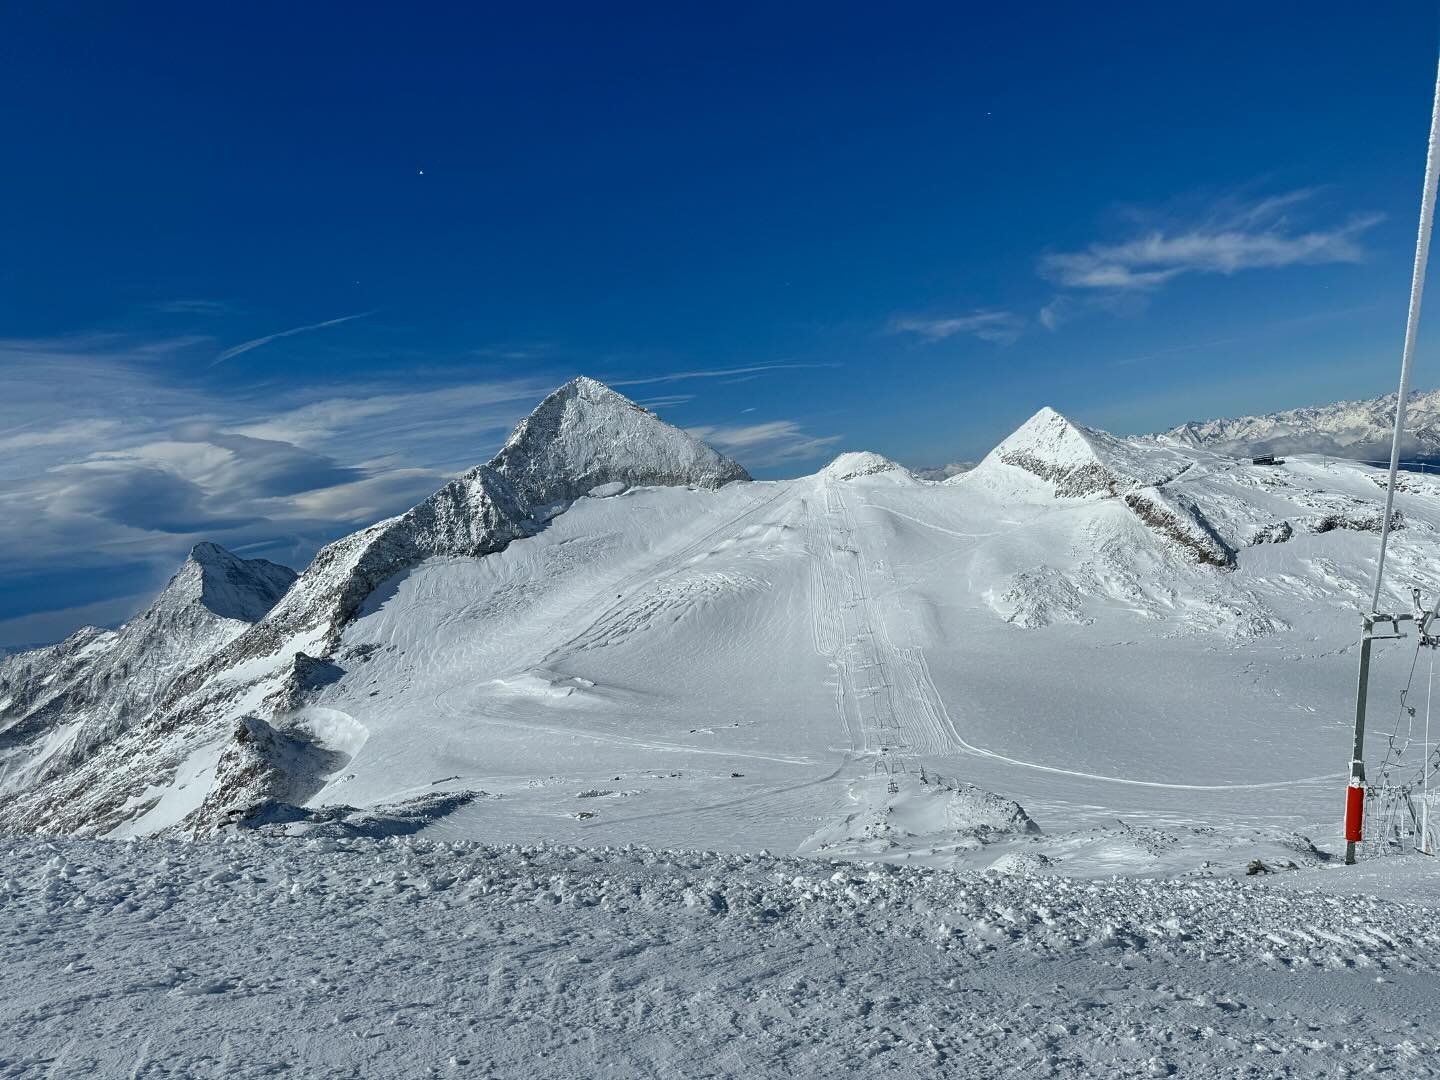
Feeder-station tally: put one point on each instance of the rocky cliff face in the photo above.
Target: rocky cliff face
(59, 703)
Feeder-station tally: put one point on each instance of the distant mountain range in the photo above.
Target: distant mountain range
(1359, 430)
(943, 472)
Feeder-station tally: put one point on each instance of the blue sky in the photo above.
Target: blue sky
(271, 272)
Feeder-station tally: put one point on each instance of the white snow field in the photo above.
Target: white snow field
(1095, 628)
(1015, 739)
(409, 958)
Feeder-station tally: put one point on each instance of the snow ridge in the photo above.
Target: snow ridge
(580, 437)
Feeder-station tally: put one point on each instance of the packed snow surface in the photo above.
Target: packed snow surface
(395, 957)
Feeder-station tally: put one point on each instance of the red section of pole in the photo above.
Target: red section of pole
(1354, 813)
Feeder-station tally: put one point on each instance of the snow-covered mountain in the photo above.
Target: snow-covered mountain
(609, 633)
(1352, 429)
(223, 649)
(60, 703)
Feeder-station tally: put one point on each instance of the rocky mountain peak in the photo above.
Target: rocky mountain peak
(1073, 461)
(585, 434)
(225, 584)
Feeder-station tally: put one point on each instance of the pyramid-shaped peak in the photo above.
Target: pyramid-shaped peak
(225, 584)
(209, 553)
(592, 390)
(1053, 436)
(585, 434)
(1073, 461)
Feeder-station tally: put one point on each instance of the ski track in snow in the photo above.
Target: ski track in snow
(618, 612)
(404, 958)
(887, 703)
(933, 731)
(898, 718)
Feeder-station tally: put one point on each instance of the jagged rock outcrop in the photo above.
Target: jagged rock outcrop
(61, 703)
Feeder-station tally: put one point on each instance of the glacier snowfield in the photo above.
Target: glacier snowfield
(607, 760)
(746, 668)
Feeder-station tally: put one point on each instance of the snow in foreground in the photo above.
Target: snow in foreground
(404, 957)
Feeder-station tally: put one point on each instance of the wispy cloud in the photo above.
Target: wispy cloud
(255, 343)
(106, 459)
(109, 461)
(714, 373)
(667, 401)
(1055, 312)
(772, 442)
(1231, 236)
(1000, 327)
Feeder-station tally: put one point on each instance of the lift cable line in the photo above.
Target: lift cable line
(1356, 792)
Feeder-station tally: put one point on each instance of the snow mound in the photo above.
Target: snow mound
(1021, 862)
(895, 816)
(1041, 596)
(854, 463)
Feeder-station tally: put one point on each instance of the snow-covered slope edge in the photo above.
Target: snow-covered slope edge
(226, 730)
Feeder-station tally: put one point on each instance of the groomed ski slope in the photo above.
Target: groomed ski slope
(733, 669)
(402, 957)
(1089, 653)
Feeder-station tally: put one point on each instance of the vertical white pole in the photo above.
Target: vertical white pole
(1407, 358)
(1412, 327)
(1425, 773)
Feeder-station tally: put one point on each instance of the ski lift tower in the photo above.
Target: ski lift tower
(1377, 625)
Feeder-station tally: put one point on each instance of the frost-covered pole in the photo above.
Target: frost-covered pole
(1412, 328)
(1355, 793)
